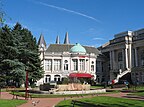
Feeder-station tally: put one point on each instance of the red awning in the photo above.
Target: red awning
(81, 75)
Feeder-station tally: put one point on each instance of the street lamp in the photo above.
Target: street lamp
(26, 87)
(26, 90)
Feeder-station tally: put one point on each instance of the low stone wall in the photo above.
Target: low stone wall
(81, 92)
(73, 87)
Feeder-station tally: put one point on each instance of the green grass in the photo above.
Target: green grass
(104, 102)
(97, 87)
(137, 88)
(138, 94)
(11, 103)
(22, 94)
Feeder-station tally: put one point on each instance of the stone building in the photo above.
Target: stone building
(121, 58)
(60, 60)
(124, 57)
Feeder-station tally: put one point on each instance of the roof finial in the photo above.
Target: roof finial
(66, 40)
(57, 40)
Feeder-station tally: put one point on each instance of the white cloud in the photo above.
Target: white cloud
(70, 11)
(98, 39)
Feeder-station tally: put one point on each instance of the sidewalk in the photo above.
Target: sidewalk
(36, 102)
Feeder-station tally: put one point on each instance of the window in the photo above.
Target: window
(75, 63)
(92, 65)
(98, 66)
(48, 78)
(57, 64)
(82, 64)
(120, 65)
(48, 64)
(57, 78)
(142, 58)
(65, 65)
(120, 56)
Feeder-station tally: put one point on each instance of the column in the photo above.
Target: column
(85, 68)
(123, 58)
(133, 58)
(111, 66)
(136, 57)
(130, 56)
(126, 58)
(78, 62)
(70, 63)
(113, 58)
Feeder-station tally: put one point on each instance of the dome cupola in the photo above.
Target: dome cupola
(78, 49)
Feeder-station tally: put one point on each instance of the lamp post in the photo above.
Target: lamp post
(26, 84)
(26, 88)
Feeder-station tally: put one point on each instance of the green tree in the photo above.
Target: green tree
(18, 53)
(10, 67)
(29, 54)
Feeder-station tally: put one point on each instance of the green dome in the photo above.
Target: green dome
(78, 49)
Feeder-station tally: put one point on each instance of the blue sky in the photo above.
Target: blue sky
(88, 22)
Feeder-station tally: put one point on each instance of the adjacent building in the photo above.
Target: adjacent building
(125, 57)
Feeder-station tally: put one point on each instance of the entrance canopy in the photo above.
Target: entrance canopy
(80, 75)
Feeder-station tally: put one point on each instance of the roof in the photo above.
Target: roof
(78, 49)
(41, 40)
(66, 40)
(67, 47)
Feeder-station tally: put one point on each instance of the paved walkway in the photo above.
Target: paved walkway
(51, 102)
(36, 102)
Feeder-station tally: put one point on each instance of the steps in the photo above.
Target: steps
(121, 74)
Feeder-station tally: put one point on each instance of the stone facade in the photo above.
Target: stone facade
(124, 53)
(59, 60)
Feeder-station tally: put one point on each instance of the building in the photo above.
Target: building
(124, 58)
(121, 58)
(60, 60)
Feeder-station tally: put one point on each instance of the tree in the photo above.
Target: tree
(9, 64)
(18, 51)
(29, 54)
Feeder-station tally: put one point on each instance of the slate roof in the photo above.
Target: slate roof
(67, 47)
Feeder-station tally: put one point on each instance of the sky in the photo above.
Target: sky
(88, 22)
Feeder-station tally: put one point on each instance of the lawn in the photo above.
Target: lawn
(22, 94)
(138, 94)
(11, 103)
(104, 102)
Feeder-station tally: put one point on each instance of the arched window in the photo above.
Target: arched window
(47, 78)
(57, 78)
(92, 66)
(65, 65)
